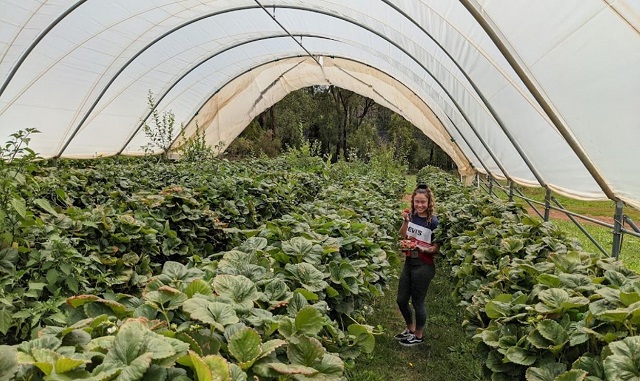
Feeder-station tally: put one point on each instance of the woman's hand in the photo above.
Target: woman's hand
(405, 215)
(428, 248)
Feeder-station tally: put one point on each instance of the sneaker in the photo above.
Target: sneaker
(403, 335)
(411, 341)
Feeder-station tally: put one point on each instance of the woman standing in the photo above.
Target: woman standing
(419, 268)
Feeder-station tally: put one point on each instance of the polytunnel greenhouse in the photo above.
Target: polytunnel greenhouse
(229, 271)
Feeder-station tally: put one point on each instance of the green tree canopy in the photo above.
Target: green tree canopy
(341, 124)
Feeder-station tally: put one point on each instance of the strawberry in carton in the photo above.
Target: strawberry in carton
(407, 244)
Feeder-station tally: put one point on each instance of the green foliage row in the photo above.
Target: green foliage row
(266, 269)
(64, 241)
(537, 305)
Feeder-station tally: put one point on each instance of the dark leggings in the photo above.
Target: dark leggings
(414, 283)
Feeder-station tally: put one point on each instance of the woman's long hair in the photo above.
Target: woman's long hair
(424, 189)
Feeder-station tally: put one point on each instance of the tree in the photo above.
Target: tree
(351, 110)
(339, 121)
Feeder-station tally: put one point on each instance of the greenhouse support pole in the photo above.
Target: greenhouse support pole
(631, 223)
(617, 230)
(510, 191)
(547, 204)
(485, 101)
(527, 78)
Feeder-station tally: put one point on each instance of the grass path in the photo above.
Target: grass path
(446, 355)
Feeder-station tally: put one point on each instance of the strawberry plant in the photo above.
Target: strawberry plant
(537, 305)
(187, 331)
(261, 270)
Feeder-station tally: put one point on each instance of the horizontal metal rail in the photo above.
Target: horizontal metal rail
(530, 202)
(570, 214)
(595, 221)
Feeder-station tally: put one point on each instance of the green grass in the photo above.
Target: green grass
(447, 353)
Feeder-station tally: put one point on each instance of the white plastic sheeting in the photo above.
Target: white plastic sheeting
(80, 72)
(226, 115)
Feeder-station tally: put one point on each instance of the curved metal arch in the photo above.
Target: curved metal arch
(502, 169)
(502, 46)
(175, 83)
(347, 59)
(486, 102)
(133, 58)
(184, 75)
(527, 78)
(35, 42)
(77, 129)
(444, 127)
(370, 30)
(308, 35)
(403, 14)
